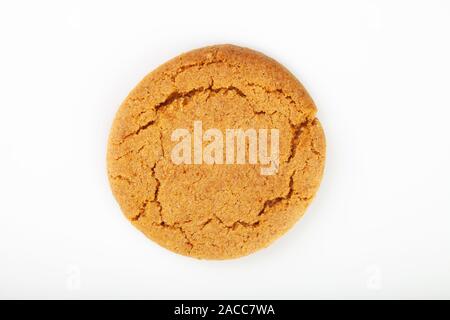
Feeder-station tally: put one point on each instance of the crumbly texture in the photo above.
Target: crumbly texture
(214, 211)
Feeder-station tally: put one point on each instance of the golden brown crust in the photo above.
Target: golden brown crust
(212, 211)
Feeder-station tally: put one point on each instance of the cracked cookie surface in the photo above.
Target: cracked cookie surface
(214, 211)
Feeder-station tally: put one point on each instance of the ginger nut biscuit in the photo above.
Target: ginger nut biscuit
(216, 153)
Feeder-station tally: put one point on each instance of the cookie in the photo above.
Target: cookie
(216, 153)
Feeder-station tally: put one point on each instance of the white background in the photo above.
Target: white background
(379, 72)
